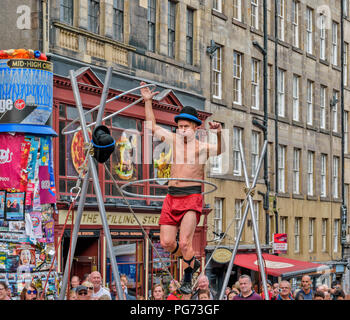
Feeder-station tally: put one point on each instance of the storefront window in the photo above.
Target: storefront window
(129, 257)
(71, 151)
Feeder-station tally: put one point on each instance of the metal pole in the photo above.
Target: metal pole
(255, 229)
(74, 235)
(97, 188)
(81, 204)
(235, 249)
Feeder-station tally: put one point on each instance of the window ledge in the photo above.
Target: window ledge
(334, 67)
(239, 23)
(312, 198)
(283, 119)
(311, 56)
(298, 196)
(336, 134)
(218, 14)
(325, 199)
(325, 131)
(298, 124)
(283, 195)
(256, 31)
(239, 107)
(337, 200)
(256, 112)
(284, 44)
(218, 101)
(298, 50)
(311, 127)
(325, 62)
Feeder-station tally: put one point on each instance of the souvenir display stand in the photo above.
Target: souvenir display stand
(27, 185)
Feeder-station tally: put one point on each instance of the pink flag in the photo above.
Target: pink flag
(10, 160)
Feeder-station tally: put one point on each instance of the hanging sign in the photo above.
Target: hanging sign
(280, 243)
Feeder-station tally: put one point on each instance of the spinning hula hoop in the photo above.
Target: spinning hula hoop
(64, 130)
(164, 179)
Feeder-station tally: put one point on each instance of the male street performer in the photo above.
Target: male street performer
(183, 204)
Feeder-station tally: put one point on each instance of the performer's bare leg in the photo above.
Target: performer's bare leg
(168, 235)
(191, 265)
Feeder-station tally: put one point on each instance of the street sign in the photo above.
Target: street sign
(280, 243)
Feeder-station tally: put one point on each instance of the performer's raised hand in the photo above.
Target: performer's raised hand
(215, 126)
(147, 93)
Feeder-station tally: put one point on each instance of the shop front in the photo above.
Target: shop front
(135, 256)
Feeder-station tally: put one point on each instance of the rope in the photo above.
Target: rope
(165, 268)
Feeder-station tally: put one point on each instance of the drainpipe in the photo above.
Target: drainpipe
(343, 211)
(276, 106)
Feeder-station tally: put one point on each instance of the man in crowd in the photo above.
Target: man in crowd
(305, 290)
(286, 291)
(203, 284)
(247, 293)
(96, 280)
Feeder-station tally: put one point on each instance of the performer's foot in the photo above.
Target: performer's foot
(196, 266)
(186, 287)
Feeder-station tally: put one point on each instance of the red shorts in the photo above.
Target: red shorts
(174, 208)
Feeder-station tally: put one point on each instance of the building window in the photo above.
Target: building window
(311, 234)
(296, 171)
(94, 16)
(216, 160)
(335, 235)
(171, 28)
(151, 19)
(237, 77)
(335, 179)
(66, 11)
(297, 229)
(255, 14)
(324, 234)
(310, 173)
(346, 132)
(237, 10)
(346, 8)
(296, 81)
(281, 168)
(335, 43)
(255, 152)
(346, 69)
(256, 211)
(218, 217)
(323, 100)
(281, 92)
(335, 112)
(309, 30)
(238, 216)
(118, 20)
(255, 84)
(283, 224)
(217, 5)
(280, 18)
(322, 37)
(295, 23)
(237, 164)
(217, 74)
(323, 175)
(309, 103)
(189, 37)
(270, 85)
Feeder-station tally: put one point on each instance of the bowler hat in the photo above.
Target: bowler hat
(190, 114)
(103, 143)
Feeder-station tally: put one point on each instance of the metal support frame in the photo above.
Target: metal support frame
(255, 228)
(92, 172)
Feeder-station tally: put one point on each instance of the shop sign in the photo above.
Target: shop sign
(280, 243)
(222, 255)
(126, 233)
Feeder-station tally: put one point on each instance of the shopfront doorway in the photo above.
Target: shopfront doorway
(86, 256)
